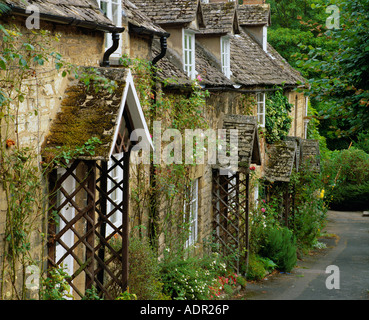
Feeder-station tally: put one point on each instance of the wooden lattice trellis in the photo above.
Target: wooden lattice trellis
(80, 229)
(231, 213)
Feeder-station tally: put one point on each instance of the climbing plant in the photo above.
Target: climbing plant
(278, 120)
(23, 57)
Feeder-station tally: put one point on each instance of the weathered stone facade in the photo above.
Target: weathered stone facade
(232, 98)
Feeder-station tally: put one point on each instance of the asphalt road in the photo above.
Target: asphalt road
(347, 248)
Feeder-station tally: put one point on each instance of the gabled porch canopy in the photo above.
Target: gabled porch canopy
(248, 139)
(281, 161)
(89, 196)
(109, 116)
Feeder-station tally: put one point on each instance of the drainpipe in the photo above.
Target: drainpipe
(153, 219)
(163, 47)
(113, 48)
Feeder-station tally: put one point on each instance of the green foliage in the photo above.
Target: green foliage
(341, 85)
(278, 121)
(351, 197)
(346, 175)
(280, 246)
(256, 269)
(191, 278)
(362, 141)
(309, 214)
(91, 294)
(144, 271)
(55, 286)
(126, 296)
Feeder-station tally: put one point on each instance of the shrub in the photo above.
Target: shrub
(351, 197)
(144, 271)
(279, 246)
(256, 269)
(191, 278)
(346, 175)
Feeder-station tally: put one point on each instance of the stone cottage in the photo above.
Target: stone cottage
(73, 127)
(80, 121)
(224, 44)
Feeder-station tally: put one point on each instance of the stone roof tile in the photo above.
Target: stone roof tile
(254, 14)
(281, 158)
(169, 11)
(81, 10)
(220, 18)
(138, 19)
(252, 66)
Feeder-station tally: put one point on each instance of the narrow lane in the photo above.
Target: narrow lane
(349, 251)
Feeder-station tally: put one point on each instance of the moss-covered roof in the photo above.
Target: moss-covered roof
(220, 18)
(310, 153)
(281, 158)
(254, 14)
(169, 11)
(248, 140)
(85, 114)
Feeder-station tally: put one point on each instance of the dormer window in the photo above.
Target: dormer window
(113, 10)
(225, 56)
(260, 98)
(189, 53)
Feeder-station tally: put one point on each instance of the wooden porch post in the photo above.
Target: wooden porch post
(90, 222)
(125, 220)
(103, 206)
(247, 209)
(286, 206)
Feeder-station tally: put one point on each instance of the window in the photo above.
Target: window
(226, 56)
(260, 97)
(189, 53)
(113, 10)
(191, 212)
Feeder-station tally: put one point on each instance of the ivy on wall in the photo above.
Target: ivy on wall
(278, 120)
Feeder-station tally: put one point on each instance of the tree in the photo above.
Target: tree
(341, 84)
(296, 23)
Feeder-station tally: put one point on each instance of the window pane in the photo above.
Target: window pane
(104, 7)
(115, 14)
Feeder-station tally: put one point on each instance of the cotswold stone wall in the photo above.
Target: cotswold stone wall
(298, 113)
(44, 91)
(223, 102)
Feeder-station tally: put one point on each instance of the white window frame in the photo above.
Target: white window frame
(191, 213)
(265, 38)
(260, 100)
(188, 43)
(225, 53)
(117, 195)
(116, 18)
